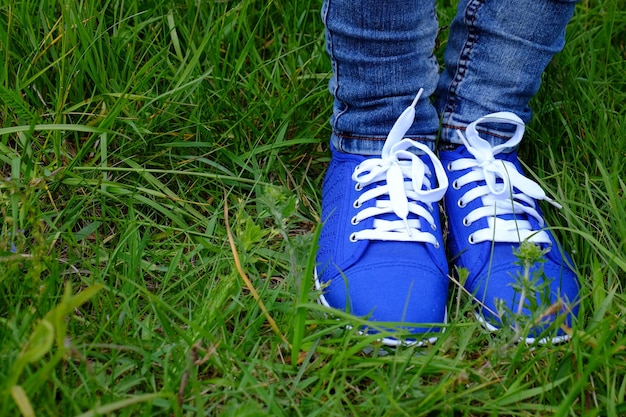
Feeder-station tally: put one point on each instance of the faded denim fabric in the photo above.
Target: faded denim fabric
(382, 53)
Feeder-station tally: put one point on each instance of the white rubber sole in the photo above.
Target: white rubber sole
(528, 340)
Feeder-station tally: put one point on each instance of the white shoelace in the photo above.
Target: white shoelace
(506, 195)
(395, 166)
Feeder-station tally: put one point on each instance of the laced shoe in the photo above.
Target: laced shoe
(381, 253)
(492, 208)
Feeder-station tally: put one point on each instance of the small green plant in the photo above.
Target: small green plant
(50, 331)
(533, 302)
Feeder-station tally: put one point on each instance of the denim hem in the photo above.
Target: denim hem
(371, 145)
(449, 135)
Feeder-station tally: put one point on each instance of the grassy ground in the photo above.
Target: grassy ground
(128, 133)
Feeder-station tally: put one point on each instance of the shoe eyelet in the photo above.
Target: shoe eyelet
(437, 245)
(455, 185)
(357, 204)
(466, 222)
(449, 166)
(358, 187)
(470, 239)
(433, 227)
(461, 203)
(354, 221)
(353, 237)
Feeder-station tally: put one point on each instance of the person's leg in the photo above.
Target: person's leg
(496, 55)
(381, 249)
(381, 54)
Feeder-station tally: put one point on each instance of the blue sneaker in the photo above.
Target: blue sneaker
(381, 253)
(492, 208)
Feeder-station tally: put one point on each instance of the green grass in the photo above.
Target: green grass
(126, 127)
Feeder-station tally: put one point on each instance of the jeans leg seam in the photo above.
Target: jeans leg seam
(335, 67)
(472, 36)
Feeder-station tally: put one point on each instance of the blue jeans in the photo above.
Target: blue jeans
(382, 53)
